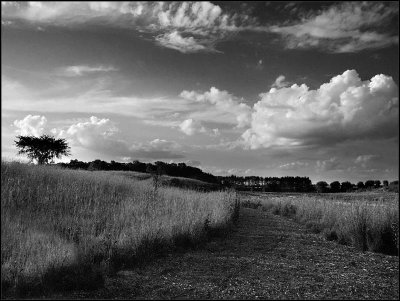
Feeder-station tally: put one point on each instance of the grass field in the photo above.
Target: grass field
(64, 229)
(368, 220)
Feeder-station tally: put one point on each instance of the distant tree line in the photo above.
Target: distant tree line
(268, 184)
(336, 186)
(45, 148)
(170, 169)
(302, 184)
(253, 183)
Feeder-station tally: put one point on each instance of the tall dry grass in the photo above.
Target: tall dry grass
(368, 223)
(64, 229)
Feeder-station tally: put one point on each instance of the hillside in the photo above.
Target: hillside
(65, 229)
(180, 182)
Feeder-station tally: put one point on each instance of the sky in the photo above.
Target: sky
(245, 88)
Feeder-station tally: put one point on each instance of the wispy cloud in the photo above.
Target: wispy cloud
(344, 27)
(156, 149)
(293, 165)
(326, 165)
(365, 160)
(81, 70)
(19, 97)
(198, 26)
(227, 171)
(175, 41)
(183, 26)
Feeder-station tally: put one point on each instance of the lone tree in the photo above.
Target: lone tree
(42, 149)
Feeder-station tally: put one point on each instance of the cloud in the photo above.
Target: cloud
(190, 127)
(19, 97)
(293, 165)
(198, 26)
(215, 133)
(81, 70)
(104, 137)
(5, 23)
(280, 82)
(260, 65)
(161, 111)
(226, 172)
(345, 108)
(365, 160)
(95, 134)
(193, 163)
(326, 165)
(346, 27)
(10, 86)
(220, 105)
(174, 40)
(183, 26)
(31, 125)
(157, 149)
(223, 145)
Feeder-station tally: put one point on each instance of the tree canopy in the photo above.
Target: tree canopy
(43, 149)
(335, 186)
(322, 186)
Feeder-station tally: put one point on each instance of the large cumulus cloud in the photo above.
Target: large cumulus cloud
(103, 136)
(96, 134)
(219, 105)
(190, 127)
(31, 125)
(345, 108)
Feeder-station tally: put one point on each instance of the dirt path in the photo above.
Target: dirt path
(266, 257)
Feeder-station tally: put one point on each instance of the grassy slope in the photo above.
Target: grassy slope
(63, 229)
(180, 182)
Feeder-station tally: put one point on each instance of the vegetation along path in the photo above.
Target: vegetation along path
(265, 256)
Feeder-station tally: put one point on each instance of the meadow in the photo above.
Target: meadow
(66, 229)
(368, 221)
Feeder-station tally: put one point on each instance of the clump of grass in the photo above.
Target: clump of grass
(65, 229)
(368, 224)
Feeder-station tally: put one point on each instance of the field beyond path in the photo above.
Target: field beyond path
(265, 256)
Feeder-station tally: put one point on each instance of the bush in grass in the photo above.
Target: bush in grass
(288, 210)
(330, 234)
(314, 226)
